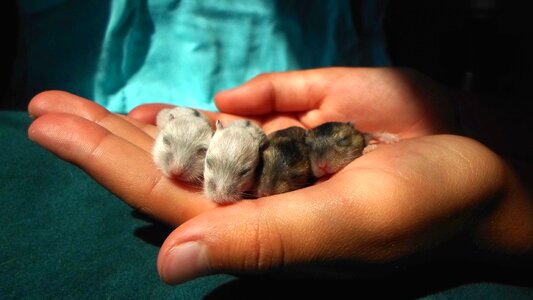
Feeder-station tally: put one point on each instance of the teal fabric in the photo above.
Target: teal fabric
(183, 52)
(122, 53)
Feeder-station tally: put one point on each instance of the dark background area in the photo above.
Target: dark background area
(8, 31)
(480, 46)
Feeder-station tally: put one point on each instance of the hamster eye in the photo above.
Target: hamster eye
(166, 140)
(345, 141)
(209, 163)
(201, 151)
(244, 172)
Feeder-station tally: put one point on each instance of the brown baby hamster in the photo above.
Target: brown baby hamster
(285, 163)
(332, 146)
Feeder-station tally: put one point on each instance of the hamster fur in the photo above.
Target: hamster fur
(167, 114)
(285, 163)
(181, 145)
(332, 146)
(231, 161)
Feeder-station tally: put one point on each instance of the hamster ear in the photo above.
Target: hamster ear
(263, 143)
(350, 123)
(219, 125)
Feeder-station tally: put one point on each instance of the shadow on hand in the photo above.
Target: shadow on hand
(408, 279)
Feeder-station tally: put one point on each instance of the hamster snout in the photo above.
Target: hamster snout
(180, 148)
(332, 146)
(285, 163)
(231, 161)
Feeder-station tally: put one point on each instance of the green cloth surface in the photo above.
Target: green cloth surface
(63, 236)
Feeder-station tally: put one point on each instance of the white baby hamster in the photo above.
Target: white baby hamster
(231, 161)
(181, 145)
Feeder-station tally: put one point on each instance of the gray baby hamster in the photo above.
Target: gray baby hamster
(231, 161)
(181, 145)
(332, 146)
(285, 164)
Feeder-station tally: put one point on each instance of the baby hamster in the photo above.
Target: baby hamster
(285, 163)
(332, 146)
(181, 145)
(231, 161)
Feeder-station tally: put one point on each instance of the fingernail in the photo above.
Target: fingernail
(184, 262)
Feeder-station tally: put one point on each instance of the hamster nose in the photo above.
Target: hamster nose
(323, 166)
(176, 173)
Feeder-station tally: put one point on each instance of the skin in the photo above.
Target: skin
(398, 200)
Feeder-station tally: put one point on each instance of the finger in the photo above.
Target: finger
(149, 129)
(63, 102)
(120, 166)
(279, 92)
(147, 113)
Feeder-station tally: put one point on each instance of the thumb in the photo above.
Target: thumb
(250, 237)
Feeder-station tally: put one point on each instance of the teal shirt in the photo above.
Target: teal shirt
(184, 52)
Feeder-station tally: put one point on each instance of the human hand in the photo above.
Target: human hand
(395, 201)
